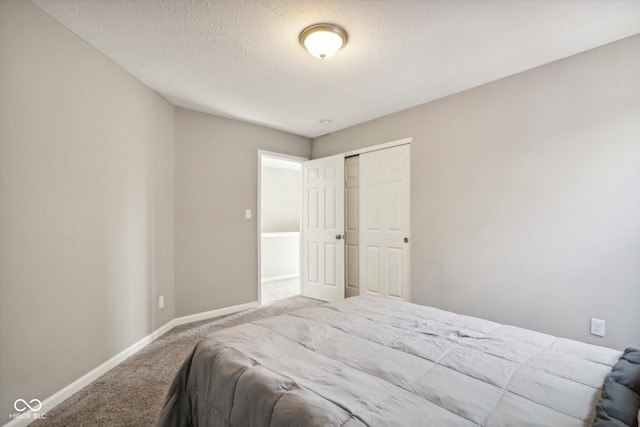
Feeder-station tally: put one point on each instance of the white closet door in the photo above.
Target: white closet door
(385, 223)
(323, 228)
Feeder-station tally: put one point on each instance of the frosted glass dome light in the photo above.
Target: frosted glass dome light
(323, 40)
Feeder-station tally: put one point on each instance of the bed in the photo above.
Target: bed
(368, 361)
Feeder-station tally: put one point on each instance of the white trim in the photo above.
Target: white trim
(281, 156)
(280, 234)
(391, 144)
(55, 399)
(283, 277)
(215, 313)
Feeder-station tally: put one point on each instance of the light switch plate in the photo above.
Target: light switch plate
(247, 213)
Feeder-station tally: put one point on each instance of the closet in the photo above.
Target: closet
(356, 225)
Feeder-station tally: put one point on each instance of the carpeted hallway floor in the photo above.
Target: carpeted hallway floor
(279, 290)
(132, 393)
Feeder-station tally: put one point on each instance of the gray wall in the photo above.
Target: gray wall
(281, 200)
(216, 180)
(526, 195)
(86, 207)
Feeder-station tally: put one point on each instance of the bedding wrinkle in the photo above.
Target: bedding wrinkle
(356, 418)
(235, 387)
(274, 407)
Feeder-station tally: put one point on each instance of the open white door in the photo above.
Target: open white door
(323, 228)
(384, 226)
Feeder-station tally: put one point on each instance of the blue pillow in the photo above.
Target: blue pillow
(620, 400)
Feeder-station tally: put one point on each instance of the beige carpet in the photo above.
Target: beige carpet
(279, 290)
(132, 394)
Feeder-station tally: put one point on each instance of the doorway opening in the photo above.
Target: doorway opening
(280, 209)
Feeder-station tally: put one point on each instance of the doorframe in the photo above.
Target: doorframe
(272, 154)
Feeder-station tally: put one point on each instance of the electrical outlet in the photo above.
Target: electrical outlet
(161, 301)
(597, 327)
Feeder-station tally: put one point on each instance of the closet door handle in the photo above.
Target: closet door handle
(406, 240)
(338, 236)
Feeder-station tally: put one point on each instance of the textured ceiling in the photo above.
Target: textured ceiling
(241, 58)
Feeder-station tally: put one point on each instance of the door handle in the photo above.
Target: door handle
(338, 236)
(406, 240)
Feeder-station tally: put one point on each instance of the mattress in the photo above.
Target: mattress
(368, 361)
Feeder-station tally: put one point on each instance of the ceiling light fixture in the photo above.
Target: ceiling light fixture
(323, 40)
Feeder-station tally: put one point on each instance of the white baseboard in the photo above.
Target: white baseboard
(54, 400)
(214, 313)
(276, 278)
